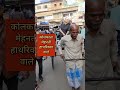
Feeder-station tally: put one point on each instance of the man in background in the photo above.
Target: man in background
(65, 27)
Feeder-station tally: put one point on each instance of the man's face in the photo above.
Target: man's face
(74, 33)
(94, 17)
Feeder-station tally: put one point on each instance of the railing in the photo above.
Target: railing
(74, 59)
(103, 79)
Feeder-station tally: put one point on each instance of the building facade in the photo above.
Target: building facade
(56, 10)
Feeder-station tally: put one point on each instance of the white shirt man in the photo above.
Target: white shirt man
(73, 48)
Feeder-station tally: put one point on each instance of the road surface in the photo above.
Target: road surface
(54, 79)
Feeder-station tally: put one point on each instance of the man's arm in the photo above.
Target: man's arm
(60, 43)
(68, 30)
(60, 29)
(83, 49)
(113, 48)
(62, 32)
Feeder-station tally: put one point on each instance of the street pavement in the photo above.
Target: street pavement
(54, 79)
(28, 84)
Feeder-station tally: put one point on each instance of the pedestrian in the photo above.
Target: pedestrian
(73, 49)
(39, 60)
(100, 46)
(65, 27)
(40, 63)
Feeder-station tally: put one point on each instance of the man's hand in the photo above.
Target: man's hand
(62, 56)
(83, 55)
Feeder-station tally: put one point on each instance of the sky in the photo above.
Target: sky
(40, 1)
(70, 2)
(37, 1)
